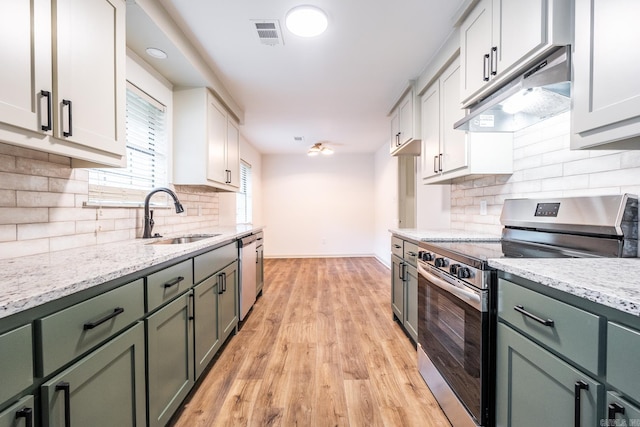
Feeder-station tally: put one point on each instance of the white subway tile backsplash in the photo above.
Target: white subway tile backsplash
(8, 232)
(46, 229)
(14, 181)
(28, 199)
(544, 166)
(41, 207)
(23, 215)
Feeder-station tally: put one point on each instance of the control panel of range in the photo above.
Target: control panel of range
(456, 269)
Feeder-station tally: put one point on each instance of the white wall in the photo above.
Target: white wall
(318, 206)
(386, 202)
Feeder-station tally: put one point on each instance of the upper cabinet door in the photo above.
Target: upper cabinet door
(233, 153)
(454, 142)
(519, 28)
(431, 131)
(25, 45)
(217, 137)
(606, 91)
(475, 44)
(89, 68)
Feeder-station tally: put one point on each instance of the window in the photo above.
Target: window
(147, 145)
(243, 197)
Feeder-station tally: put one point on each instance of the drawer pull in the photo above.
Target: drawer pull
(613, 409)
(397, 246)
(577, 388)
(520, 309)
(116, 311)
(173, 282)
(27, 414)
(66, 389)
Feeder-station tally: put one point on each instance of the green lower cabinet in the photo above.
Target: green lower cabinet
(20, 414)
(411, 302)
(105, 388)
(535, 388)
(397, 287)
(620, 412)
(228, 301)
(16, 362)
(205, 328)
(169, 359)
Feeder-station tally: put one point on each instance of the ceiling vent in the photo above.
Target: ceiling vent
(298, 138)
(268, 31)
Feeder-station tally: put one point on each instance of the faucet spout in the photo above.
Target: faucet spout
(148, 217)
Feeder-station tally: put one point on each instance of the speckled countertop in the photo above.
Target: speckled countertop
(34, 280)
(613, 282)
(444, 235)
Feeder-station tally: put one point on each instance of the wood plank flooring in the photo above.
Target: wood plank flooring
(319, 348)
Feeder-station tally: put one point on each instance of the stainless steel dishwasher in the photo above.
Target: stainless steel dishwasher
(247, 274)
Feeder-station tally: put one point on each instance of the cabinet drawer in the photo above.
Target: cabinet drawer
(17, 415)
(71, 332)
(623, 347)
(16, 362)
(208, 263)
(575, 334)
(167, 284)
(397, 246)
(410, 253)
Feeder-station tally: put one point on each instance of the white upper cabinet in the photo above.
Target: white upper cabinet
(500, 37)
(25, 35)
(448, 153)
(206, 141)
(606, 83)
(62, 83)
(405, 124)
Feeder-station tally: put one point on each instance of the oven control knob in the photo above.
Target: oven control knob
(454, 269)
(463, 273)
(440, 262)
(426, 256)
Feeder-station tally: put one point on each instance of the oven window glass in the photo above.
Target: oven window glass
(450, 332)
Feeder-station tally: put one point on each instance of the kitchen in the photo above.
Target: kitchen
(42, 194)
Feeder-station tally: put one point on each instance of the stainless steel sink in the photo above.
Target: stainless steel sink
(184, 239)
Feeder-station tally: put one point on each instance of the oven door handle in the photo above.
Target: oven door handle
(467, 295)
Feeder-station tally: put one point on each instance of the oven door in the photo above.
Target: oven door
(453, 333)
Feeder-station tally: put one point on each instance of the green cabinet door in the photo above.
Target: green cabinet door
(105, 388)
(205, 328)
(397, 287)
(535, 388)
(21, 414)
(620, 412)
(169, 359)
(411, 302)
(16, 362)
(228, 300)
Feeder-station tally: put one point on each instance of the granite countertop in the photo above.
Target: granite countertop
(30, 281)
(612, 282)
(444, 235)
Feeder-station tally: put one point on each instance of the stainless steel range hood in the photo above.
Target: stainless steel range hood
(541, 92)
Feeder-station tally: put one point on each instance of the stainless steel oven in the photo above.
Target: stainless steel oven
(455, 336)
(457, 289)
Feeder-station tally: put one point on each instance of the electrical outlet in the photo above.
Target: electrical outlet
(483, 207)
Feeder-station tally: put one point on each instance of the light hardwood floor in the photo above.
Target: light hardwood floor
(319, 348)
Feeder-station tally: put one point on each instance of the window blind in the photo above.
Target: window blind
(146, 155)
(243, 198)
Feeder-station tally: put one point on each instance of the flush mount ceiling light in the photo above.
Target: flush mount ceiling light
(318, 148)
(156, 53)
(306, 21)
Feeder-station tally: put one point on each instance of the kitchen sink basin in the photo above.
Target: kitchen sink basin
(184, 239)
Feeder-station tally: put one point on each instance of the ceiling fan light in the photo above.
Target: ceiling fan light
(306, 21)
(326, 151)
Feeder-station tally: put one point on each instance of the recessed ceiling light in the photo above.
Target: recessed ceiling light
(306, 21)
(156, 53)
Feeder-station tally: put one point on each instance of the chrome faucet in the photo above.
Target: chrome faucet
(148, 216)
